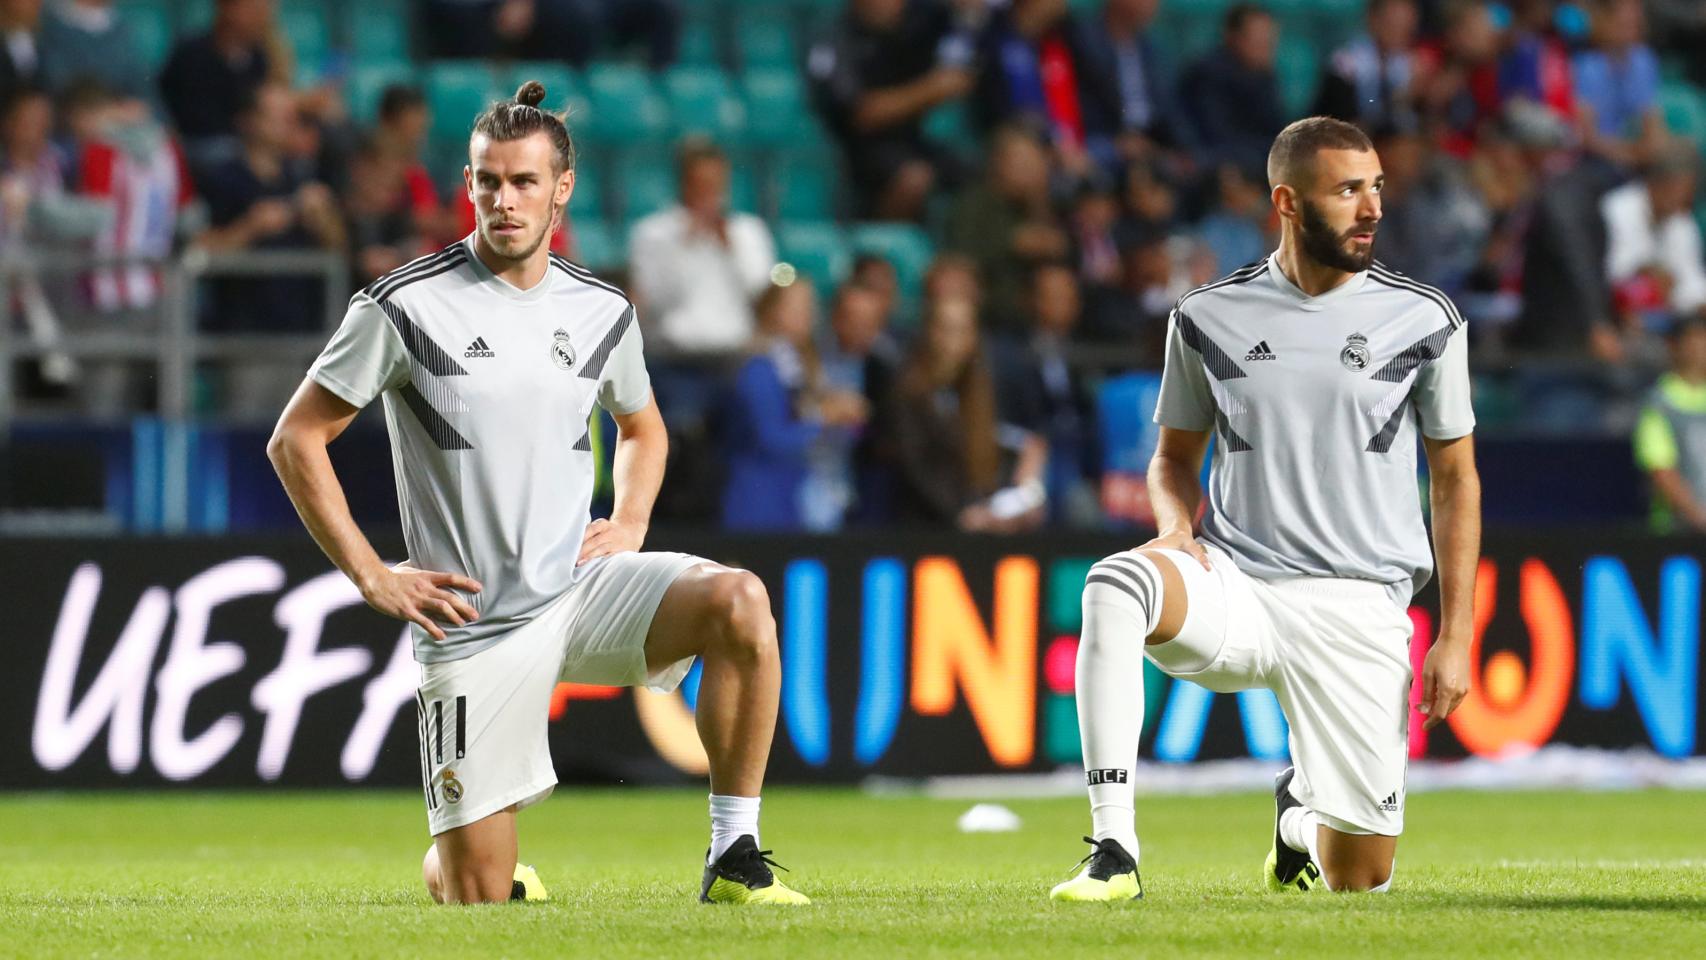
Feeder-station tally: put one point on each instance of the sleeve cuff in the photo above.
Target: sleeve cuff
(344, 391)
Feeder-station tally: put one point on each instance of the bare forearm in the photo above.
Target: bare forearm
(638, 473)
(1457, 546)
(1679, 497)
(306, 472)
(1174, 493)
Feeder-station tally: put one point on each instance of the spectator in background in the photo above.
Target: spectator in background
(20, 45)
(1235, 231)
(572, 30)
(953, 276)
(787, 430)
(1653, 247)
(1535, 66)
(875, 273)
(1456, 81)
(1125, 91)
(1006, 223)
(259, 200)
(940, 421)
(210, 77)
(1095, 213)
(89, 40)
(1433, 223)
(376, 208)
(884, 65)
(1133, 312)
(1617, 86)
(1367, 81)
(1030, 76)
(696, 266)
(1040, 391)
(404, 122)
(1670, 437)
(862, 357)
(1232, 94)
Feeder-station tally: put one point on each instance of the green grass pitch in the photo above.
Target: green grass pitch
(299, 875)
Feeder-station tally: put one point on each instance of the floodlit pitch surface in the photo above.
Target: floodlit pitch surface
(299, 875)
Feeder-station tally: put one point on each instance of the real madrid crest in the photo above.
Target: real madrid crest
(452, 787)
(1355, 354)
(562, 349)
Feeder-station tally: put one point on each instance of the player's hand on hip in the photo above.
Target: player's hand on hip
(1445, 679)
(1183, 542)
(422, 597)
(605, 537)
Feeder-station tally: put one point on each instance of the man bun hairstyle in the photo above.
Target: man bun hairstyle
(1295, 148)
(522, 117)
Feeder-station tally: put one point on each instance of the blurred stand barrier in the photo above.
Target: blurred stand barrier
(128, 370)
(247, 662)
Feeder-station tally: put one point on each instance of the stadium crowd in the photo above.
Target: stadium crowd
(1050, 178)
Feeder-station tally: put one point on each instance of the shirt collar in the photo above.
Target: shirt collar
(1306, 301)
(501, 286)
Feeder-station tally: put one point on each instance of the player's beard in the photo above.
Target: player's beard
(1326, 246)
(510, 249)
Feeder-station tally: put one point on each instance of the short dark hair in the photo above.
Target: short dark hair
(695, 149)
(1241, 14)
(521, 117)
(1296, 146)
(399, 97)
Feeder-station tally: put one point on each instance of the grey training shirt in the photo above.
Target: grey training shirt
(488, 389)
(1316, 402)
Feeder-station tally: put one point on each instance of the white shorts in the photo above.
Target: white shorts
(482, 719)
(1335, 652)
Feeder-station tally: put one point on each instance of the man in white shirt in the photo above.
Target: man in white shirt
(696, 266)
(1649, 224)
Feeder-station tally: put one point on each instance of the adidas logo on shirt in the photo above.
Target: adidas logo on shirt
(478, 349)
(1260, 352)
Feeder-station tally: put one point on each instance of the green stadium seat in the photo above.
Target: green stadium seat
(804, 187)
(950, 124)
(701, 100)
(309, 37)
(377, 35)
(645, 186)
(765, 41)
(367, 84)
(1684, 111)
(623, 107)
(598, 246)
(193, 16)
(150, 31)
(698, 45)
(776, 107)
(588, 201)
(905, 246)
(457, 91)
(1299, 68)
(817, 249)
(743, 185)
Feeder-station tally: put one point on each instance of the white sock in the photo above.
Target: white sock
(1121, 606)
(1297, 827)
(1383, 887)
(732, 818)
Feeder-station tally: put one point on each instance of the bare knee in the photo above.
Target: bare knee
(1358, 877)
(475, 880)
(744, 627)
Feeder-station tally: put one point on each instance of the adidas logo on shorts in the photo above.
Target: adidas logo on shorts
(1260, 352)
(478, 349)
(1391, 804)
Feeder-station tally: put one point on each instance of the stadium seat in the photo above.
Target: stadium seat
(1299, 68)
(457, 91)
(1684, 111)
(367, 84)
(765, 41)
(701, 100)
(743, 185)
(596, 245)
(803, 187)
(776, 108)
(151, 32)
(817, 249)
(645, 185)
(377, 35)
(698, 45)
(623, 107)
(905, 246)
(304, 26)
(950, 124)
(588, 200)
(193, 16)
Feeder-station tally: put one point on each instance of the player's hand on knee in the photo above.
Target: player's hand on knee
(1182, 541)
(605, 537)
(422, 597)
(1445, 679)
